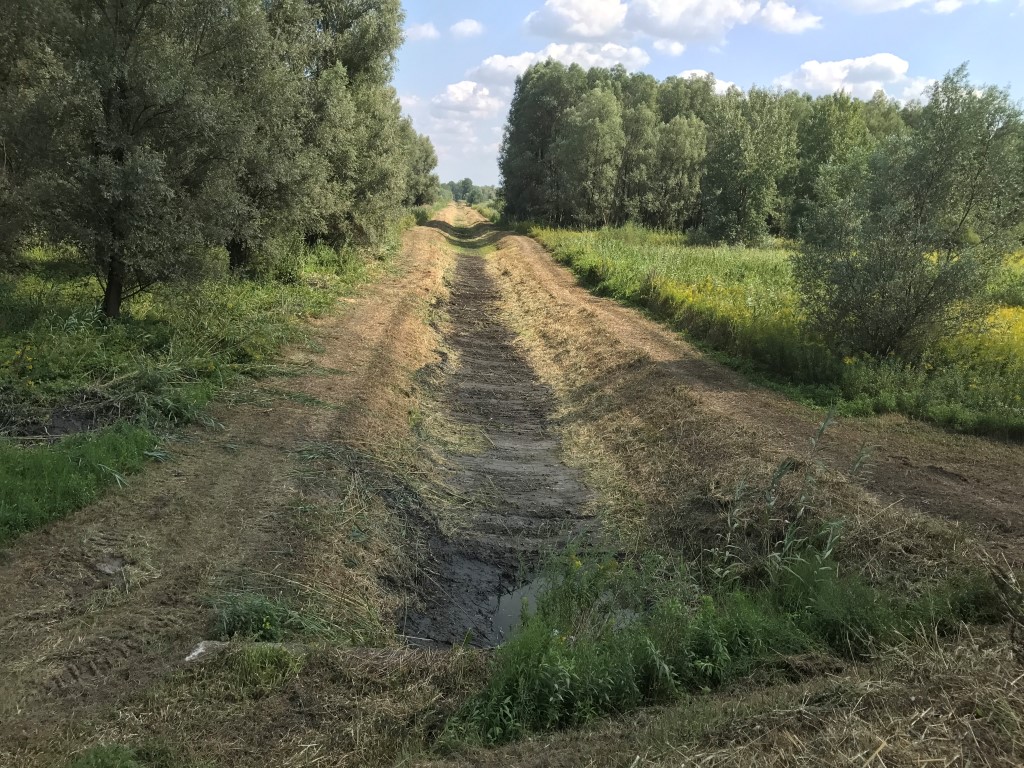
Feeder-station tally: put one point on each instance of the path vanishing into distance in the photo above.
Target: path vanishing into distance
(466, 414)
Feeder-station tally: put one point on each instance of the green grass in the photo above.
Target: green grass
(256, 617)
(741, 303)
(607, 637)
(39, 483)
(65, 369)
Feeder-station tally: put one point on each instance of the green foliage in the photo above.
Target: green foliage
(608, 637)
(39, 483)
(903, 244)
(466, 191)
(147, 133)
(751, 146)
(743, 302)
(585, 160)
(256, 617)
(107, 756)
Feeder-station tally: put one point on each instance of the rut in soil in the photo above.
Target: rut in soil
(526, 501)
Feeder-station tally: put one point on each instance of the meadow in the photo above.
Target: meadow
(741, 303)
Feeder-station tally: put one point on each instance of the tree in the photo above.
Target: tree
(752, 145)
(678, 168)
(833, 132)
(586, 156)
(543, 94)
(903, 241)
(634, 193)
(134, 131)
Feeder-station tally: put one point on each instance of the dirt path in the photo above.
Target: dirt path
(586, 345)
(523, 500)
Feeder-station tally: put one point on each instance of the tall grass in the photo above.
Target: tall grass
(608, 637)
(742, 303)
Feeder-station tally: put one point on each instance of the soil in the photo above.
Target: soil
(525, 500)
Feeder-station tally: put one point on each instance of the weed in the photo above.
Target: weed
(41, 482)
(107, 756)
(256, 670)
(256, 617)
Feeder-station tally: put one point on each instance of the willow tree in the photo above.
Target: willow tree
(586, 157)
(903, 241)
(132, 126)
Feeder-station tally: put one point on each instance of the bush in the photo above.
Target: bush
(902, 244)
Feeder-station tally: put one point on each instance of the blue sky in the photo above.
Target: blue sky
(457, 68)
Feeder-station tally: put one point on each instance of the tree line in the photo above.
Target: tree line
(147, 132)
(903, 213)
(466, 191)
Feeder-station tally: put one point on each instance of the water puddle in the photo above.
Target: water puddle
(511, 607)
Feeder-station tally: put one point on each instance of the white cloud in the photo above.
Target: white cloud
(688, 21)
(671, 47)
(859, 77)
(505, 69)
(884, 6)
(467, 98)
(780, 16)
(467, 28)
(721, 86)
(577, 19)
(422, 32)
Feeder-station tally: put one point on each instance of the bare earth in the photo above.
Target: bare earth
(467, 412)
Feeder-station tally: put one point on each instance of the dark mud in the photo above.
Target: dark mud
(525, 501)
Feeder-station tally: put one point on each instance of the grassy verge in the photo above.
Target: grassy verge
(608, 637)
(742, 304)
(81, 399)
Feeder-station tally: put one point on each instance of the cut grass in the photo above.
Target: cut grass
(742, 304)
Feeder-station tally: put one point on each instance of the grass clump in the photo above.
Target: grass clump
(107, 756)
(257, 617)
(743, 304)
(256, 670)
(39, 483)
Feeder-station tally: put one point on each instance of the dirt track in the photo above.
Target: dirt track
(524, 501)
(545, 405)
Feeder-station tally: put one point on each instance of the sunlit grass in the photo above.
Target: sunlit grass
(742, 302)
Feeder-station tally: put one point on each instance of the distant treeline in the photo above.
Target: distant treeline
(904, 215)
(466, 191)
(144, 133)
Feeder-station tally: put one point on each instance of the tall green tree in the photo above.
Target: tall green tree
(752, 145)
(135, 132)
(678, 168)
(586, 157)
(904, 242)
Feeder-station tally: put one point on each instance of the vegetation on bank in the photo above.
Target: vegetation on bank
(744, 303)
(180, 184)
(82, 399)
(607, 637)
(897, 290)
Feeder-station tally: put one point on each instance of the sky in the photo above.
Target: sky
(457, 69)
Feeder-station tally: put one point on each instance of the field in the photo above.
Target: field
(741, 303)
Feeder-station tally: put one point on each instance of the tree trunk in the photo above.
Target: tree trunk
(239, 255)
(115, 288)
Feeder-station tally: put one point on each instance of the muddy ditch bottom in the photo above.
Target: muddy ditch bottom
(527, 504)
